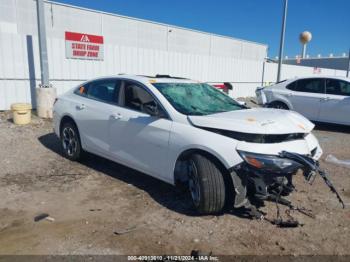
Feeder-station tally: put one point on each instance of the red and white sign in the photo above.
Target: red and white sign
(84, 46)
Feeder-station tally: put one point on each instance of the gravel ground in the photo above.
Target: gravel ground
(92, 200)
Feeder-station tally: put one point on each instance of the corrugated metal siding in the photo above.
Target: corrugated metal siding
(290, 71)
(131, 46)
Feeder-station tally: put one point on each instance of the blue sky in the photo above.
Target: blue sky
(255, 20)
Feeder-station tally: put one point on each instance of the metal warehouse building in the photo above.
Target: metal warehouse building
(125, 45)
(129, 46)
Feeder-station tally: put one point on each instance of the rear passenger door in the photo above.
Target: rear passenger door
(335, 108)
(94, 112)
(307, 96)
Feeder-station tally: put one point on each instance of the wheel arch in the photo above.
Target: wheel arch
(225, 171)
(221, 164)
(65, 119)
(283, 101)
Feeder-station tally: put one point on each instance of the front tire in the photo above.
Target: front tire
(70, 141)
(206, 185)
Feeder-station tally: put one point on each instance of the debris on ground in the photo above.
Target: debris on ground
(41, 217)
(332, 159)
(125, 231)
(198, 253)
(51, 219)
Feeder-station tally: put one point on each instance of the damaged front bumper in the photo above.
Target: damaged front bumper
(250, 180)
(262, 176)
(260, 184)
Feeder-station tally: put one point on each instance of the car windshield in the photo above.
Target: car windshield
(197, 98)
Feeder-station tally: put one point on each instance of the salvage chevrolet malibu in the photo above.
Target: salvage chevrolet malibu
(186, 132)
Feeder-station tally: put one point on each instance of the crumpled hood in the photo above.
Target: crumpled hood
(256, 121)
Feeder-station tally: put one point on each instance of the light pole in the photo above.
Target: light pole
(347, 72)
(282, 40)
(45, 94)
(44, 64)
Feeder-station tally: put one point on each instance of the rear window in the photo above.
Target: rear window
(292, 86)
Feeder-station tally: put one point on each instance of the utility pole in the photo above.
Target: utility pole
(347, 72)
(44, 64)
(280, 57)
(45, 94)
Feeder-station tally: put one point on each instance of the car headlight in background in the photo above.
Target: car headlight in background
(269, 163)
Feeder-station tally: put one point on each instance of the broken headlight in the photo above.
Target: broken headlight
(269, 163)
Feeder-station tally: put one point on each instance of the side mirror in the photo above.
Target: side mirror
(228, 85)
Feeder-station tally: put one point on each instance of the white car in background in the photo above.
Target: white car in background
(183, 131)
(321, 99)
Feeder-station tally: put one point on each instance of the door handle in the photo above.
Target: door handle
(289, 94)
(80, 107)
(325, 98)
(116, 116)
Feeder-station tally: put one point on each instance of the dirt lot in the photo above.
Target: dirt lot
(91, 200)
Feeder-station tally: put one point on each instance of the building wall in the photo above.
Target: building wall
(130, 46)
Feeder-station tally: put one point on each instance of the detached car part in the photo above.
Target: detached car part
(311, 169)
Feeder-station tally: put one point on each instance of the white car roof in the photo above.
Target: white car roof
(150, 79)
(319, 76)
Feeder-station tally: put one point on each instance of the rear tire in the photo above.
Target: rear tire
(70, 141)
(206, 185)
(278, 105)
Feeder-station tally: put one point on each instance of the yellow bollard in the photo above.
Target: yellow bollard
(21, 113)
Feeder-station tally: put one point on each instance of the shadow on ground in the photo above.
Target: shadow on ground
(173, 198)
(176, 199)
(332, 127)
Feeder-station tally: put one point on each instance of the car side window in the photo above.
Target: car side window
(312, 85)
(337, 87)
(136, 96)
(139, 99)
(292, 86)
(106, 90)
(82, 90)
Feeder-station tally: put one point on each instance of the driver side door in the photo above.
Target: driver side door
(137, 138)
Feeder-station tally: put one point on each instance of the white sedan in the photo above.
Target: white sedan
(183, 131)
(321, 99)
